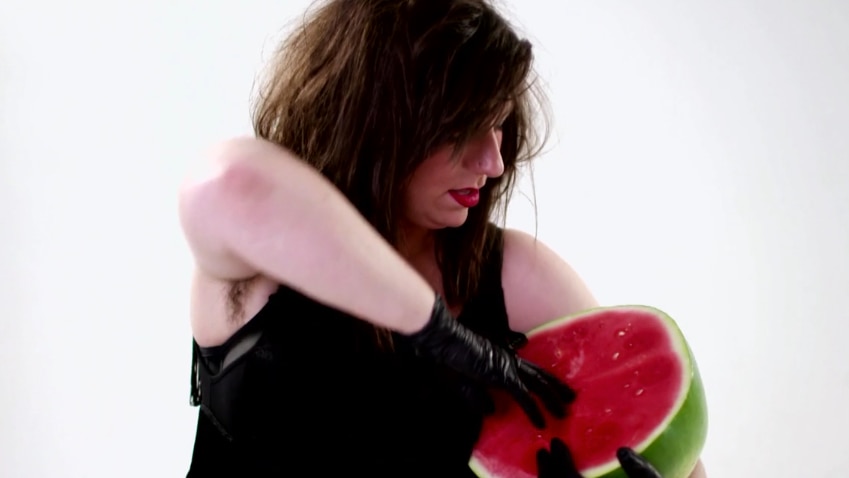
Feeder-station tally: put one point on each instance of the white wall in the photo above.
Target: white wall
(701, 164)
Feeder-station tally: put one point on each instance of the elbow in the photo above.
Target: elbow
(250, 169)
(247, 193)
(234, 163)
(250, 193)
(235, 173)
(218, 209)
(225, 180)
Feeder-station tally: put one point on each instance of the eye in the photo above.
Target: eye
(499, 125)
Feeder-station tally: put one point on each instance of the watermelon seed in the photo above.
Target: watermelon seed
(616, 356)
(621, 333)
(608, 411)
(640, 392)
(627, 385)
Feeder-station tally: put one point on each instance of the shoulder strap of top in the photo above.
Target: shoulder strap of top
(486, 312)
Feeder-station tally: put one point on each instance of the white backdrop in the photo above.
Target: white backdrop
(700, 164)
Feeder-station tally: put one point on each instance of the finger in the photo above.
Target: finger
(564, 392)
(524, 399)
(634, 465)
(544, 464)
(552, 392)
(549, 397)
(561, 455)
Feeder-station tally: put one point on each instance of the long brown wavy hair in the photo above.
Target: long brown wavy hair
(365, 90)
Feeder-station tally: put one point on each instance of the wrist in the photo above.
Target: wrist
(434, 321)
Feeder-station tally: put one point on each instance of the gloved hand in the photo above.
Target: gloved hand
(558, 463)
(445, 341)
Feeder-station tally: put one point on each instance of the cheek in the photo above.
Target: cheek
(426, 180)
(416, 194)
(431, 178)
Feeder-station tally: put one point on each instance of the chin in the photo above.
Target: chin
(441, 220)
(455, 220)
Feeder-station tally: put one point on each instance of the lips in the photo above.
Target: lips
(468, 197)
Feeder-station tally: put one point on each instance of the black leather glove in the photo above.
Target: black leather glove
(445, 341)
(558, 463)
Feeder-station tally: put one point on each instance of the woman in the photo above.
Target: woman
(352, 301)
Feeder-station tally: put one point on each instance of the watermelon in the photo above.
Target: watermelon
(637, 385)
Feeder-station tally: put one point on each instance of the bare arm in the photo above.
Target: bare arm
(539, 286)
(261, 211)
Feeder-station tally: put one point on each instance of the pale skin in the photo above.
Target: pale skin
(253, 211)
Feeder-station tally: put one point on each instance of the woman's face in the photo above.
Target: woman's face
(444, 187)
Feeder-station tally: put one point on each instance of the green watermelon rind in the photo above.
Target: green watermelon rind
(674, 447)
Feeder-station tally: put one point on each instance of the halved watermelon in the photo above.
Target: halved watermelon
(637, 385)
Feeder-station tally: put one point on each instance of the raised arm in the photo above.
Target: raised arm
(261, 211)
(256, 209)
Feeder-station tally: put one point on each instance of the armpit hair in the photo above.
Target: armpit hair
(236, 299)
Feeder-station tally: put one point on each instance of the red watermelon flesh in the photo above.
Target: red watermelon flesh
(631, 372)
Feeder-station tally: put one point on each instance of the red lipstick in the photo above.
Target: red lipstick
(468, 197)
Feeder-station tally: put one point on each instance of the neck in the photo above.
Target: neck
(418, 247)
(416, 243)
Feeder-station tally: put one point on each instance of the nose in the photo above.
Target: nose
(484, 154)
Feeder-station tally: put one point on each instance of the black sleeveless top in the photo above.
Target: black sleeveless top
(301, 390)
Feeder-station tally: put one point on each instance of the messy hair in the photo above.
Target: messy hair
(365, 90)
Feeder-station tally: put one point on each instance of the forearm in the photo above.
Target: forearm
(291, 224)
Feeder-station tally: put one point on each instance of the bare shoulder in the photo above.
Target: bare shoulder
(538, 284)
